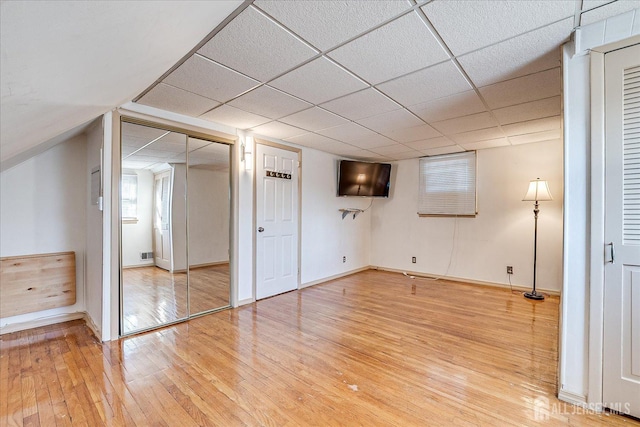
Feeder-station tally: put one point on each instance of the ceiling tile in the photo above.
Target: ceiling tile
(465, 123)
(477, 135)
(365, 103)
(326, 24)
(318, 81)
(400, 47)
(529, 111)
(443, 150)
(313, 119)
(269, 102)
(391, 149)
(206, 78)
(348, 132)
(606, 11)
(541, 85)
(539, 125)
(413, 154)
(425, 85)
(469, 25)
(536, 137)
(526, 54)
(490, 143)
(177, 100)
(256, 46)
(372, 141)
(342, 149)
(278, 130)
(396, 119)
(448, 107)
(427, 144)
(413, 133)
(311, 140)
(231, 116)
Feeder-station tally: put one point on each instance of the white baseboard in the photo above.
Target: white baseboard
(45, 321)
(245, 302)
(91, 325)
(336, 276)
(573, 398)
(465, 280)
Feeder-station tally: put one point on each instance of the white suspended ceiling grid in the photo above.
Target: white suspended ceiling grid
(386, 79)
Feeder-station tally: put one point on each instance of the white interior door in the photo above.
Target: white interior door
(161, 218)
(276, 221)
(621, 357)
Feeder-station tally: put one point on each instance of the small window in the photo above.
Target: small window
(448, 185)
(130, 197)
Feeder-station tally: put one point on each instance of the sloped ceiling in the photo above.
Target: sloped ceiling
(64, 63)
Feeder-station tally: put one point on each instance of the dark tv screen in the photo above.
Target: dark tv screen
(363, 179)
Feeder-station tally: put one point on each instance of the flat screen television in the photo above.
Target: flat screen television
(363, 179)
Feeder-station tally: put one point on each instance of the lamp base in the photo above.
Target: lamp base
(533, 295)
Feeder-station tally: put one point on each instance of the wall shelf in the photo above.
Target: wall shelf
(347, 211)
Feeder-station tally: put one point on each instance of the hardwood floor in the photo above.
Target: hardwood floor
(153, 296)
(374, 348)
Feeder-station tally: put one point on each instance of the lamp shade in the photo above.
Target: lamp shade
(538, 191)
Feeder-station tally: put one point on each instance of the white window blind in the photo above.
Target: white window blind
(448, 184)
(129, 196)
(631, 155)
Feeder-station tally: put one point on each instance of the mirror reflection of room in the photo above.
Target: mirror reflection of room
(175, 227)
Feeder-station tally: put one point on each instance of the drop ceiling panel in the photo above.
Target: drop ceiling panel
(318, 81)
(412, 154)
(608, 10)
(427, 144)
(313, 119)
(465, 123)
(206, 78)
(391, 149)
(372, 141)
(256, 46)
(396, 119)
(443, 150)
(536, 137)
(477, 135)
(431, 83)
(529, 111)
(278, 130)
(488, 22)
(312, 140)
(235, 117)
(413, 133)
(348, 132)
(533, 87)
(532, 126)
(365, 103)
(398, 48)
(179, 101)
(326, 24)
(526, 54)
(460, 104)
(269, 102)
(490, 143)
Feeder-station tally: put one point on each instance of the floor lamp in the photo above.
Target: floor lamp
(538, 192)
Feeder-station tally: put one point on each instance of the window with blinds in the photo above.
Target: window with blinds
(631, 157)
(448, 185)
(129, 197)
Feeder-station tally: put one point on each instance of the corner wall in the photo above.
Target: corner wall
(43, 210)
(480, 248)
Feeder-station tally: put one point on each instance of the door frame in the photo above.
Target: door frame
(255, 209)
(597, 212)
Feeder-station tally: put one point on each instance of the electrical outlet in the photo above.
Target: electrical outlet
(413, 259)
(344, 259)
(509, 269)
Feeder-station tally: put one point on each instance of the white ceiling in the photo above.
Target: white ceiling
(375, 80)
(385, 80)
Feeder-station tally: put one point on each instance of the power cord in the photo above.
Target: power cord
(453, 246)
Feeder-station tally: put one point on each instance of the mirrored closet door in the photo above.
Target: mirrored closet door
(174, 227)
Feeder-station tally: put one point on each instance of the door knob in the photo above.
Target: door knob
(260, 229)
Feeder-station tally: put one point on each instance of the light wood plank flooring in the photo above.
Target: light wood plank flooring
(372, 349)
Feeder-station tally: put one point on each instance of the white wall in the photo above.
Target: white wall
(500, 235)
(326, 238)
(208, 216)
(43, 210)
(93, 274)
(137, 236)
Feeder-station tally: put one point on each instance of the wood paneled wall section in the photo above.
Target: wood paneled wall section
(32, 283)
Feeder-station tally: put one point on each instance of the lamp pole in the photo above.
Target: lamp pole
(533, 294)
